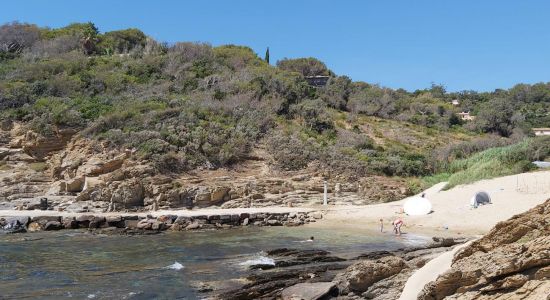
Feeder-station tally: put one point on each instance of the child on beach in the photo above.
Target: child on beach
(397, 226)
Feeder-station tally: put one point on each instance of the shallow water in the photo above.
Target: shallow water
(78, 265)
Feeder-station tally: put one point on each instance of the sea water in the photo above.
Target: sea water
(173, 265)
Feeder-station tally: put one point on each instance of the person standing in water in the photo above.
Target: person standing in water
(397, 226)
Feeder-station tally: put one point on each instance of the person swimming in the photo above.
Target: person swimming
(397, 226)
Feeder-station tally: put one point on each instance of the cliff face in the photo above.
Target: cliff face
(79, 174)
(511, 262)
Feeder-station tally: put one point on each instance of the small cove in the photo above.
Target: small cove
(172, 265)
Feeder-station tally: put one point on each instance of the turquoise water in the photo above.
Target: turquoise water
(79, 265)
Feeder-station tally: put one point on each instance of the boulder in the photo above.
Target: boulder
(69, 223)
(96, 222)
(53, 225)
(129, 194)
(218, 194)
(192, 226)
(74, 185)
(34, 226)
(91, 182)
(309, 291)
(360, 276)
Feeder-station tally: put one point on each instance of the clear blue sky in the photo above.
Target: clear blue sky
(466, 44)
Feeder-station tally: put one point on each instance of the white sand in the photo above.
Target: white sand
(510, 195)
(429, 272)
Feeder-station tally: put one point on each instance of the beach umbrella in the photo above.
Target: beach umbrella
(417, 206)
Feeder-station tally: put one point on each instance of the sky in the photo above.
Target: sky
(464, 45)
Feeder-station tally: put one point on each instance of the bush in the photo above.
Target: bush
(306, 66)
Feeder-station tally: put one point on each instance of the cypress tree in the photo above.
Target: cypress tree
(267, 55)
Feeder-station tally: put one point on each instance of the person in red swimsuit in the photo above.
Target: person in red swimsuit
(397, 226)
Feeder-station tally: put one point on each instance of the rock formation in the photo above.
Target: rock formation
(511, 262)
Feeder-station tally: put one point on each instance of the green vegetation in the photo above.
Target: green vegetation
(191, 105)
(493, 162)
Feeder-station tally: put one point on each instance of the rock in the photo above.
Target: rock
(45, 219)
(245, 222)
(129, 193)
(144, 224)
(96, 222)
(157, 225)
(57, 188)
(193, 226)
(360, 276)
(74, 185)
(22, 221)
(91, 182)
(34, 226)
(53, 225)
(274, 223)
(309, 291)
(218, 194)
(84, 221)
(507, 263)
(69, 223)
(316, 215)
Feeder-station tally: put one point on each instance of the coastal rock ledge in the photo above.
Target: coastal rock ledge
(136, 223)
(511, 262)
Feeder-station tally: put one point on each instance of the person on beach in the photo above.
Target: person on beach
(397, 226)
(381, 225)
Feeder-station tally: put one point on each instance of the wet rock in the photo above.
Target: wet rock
(309, 291)
(144, 224)
(274, 223)
(69, 223)
(34, 226)
(84, 220)
(53, 225)
(96, 222)
(193, 226)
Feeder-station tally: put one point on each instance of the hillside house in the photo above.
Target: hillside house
(465, 116)
(455, 102)
(317, 81)
(541, 131)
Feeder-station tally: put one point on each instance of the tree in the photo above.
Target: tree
(267, 55)
(307, 66)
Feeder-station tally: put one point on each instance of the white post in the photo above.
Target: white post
(325, 200)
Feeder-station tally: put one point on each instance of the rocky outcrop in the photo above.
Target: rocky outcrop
(40, 146)
(362, 275)
(511, 262)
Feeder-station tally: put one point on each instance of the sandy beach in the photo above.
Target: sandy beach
(452, 214)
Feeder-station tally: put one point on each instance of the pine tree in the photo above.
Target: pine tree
(267, 55)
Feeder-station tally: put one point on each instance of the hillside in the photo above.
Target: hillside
(117, 120)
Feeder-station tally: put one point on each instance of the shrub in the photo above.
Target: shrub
(306, 66)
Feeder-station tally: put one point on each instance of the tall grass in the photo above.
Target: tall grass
(494, 162)
(491, 163)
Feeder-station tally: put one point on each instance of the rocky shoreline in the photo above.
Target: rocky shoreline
(128, 223)
(318, 274)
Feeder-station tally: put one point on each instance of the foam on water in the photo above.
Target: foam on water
(175, 266)
(261, 260)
